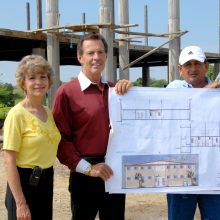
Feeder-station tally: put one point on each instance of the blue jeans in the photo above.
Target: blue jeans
(183, 206)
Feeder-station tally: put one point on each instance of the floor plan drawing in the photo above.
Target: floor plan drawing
(178, 128)
(190, 137)
(204, 137)
(154, 111)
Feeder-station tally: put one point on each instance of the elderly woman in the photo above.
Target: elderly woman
(30, 144)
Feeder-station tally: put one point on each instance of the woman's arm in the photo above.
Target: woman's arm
(13, 179)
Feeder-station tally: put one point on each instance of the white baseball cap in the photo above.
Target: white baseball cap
(191, 53)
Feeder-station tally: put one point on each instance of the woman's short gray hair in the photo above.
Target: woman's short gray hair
(32, 65)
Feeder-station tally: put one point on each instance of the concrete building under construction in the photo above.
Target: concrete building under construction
(58, 43)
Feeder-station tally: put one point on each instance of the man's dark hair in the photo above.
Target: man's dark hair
(92, 36)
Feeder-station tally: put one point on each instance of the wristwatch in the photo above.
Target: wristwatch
(88, 170)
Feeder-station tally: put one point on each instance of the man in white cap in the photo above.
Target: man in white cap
(193, 67)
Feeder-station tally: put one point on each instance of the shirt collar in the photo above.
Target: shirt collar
(85, 82)
(188, 85)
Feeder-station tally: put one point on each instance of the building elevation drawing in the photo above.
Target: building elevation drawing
(164, 140)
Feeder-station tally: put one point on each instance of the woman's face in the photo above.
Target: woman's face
(36, 84)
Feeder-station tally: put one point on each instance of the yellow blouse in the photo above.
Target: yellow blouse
(35, 141)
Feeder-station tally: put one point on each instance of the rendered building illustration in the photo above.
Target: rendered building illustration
(160, 173)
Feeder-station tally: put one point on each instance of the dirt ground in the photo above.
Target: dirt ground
(138, 206)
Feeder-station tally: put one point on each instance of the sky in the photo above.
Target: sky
(200, 18)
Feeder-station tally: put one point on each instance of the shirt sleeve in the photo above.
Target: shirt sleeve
(12, 134)
(67, 152)
(82, 166)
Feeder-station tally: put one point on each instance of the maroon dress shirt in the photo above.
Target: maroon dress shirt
(83, 120)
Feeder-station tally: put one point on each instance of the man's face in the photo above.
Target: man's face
(194, 72)
(93, 58)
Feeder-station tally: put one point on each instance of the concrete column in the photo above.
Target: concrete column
(174, 45)
(146, 24)
(145, 76)
(41, 52)
(39, 14)
(105, 16)
(217, 65)
(115, 59)
(123, 17)
(145, 69)
(28, 15)
(53, 47)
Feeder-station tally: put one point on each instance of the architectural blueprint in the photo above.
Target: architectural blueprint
(164, 140)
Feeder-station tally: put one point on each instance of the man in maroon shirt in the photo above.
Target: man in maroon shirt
(81, 114)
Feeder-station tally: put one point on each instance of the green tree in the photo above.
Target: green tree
(138, 82)
(153, 82)
(158, 83)
(7, 95)
(211, 73)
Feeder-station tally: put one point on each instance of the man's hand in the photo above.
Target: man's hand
(122, 86)
(101, 170)
(213, 85)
